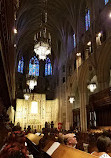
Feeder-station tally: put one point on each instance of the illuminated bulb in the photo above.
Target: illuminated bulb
(89, 43)
(71, 100)
(15, 30)
(99, 34)
(26, 96)
(78, 54)
(14, 45)
(110, 14)
(92, 87)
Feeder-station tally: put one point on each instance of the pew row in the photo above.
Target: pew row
(32, 144)
(57, 150)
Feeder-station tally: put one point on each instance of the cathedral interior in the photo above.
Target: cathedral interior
(55, 63)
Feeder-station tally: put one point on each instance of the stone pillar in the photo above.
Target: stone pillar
(103, 85)
(83, 114)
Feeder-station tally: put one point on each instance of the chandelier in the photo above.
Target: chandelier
(31, 81)
(42, 39)
(92, 87)
(26, 94)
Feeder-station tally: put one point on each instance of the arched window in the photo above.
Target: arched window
(34, 66)
(48, 67)
(87, 19)
(106, 1)
(74, 40)
(21, 65)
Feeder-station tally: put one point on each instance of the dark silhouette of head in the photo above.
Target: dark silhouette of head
(103, 143)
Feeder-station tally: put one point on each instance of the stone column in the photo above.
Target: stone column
(103, 85)
(83, 114)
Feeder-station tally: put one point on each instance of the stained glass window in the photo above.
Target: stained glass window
(87, 19)
(74, 40)
(48, 67)
(34, 66)
(21, 65)
(106, 1)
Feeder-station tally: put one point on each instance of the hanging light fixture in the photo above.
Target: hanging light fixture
(92, 87)
(71, 99)
(31, 81)
(26, 94)
(42, 39)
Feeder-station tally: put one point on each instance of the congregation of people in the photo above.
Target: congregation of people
(15, 144)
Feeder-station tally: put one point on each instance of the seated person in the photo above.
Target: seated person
(103, 143)
(70, 140)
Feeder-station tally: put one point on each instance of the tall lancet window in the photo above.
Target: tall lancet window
(21, 65)
(74, 40)
(106, 1)
(87, 19)
(48, 67)
(34, 66)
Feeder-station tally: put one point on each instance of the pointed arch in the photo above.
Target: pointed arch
(48, 67)
(21, 65)
(34, 66)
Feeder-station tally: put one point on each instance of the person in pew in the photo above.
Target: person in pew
(103, 143)
(70, 140)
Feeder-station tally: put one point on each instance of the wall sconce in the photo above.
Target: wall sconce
(99, 34)
(78, 54)
(15, 31)
(110, 15)
(89, 43)
(71, 99)
(92, 87)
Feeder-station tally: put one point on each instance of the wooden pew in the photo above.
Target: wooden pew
(34, 138)
(32, 144)
(57, 150)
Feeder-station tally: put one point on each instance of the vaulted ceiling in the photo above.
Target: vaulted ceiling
(62, 20)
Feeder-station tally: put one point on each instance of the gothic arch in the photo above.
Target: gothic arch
(104, 63)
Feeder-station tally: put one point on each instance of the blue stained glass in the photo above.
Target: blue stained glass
(48, 67)
(106, 1)
(74, 40)
(87, 20)
(21, 65)
(88, 16)
(34, 66)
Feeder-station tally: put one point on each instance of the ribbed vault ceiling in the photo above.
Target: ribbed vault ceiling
(62, 19)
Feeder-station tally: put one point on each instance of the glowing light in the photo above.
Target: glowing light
(15, 45)
(71, 100)
(31, 83)
(99, 34)
(26, 96)
(42, 49)
(110, 14)
(89, 43)
(15, 31)
(78, 54)
(92, 87)
(34, 107)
